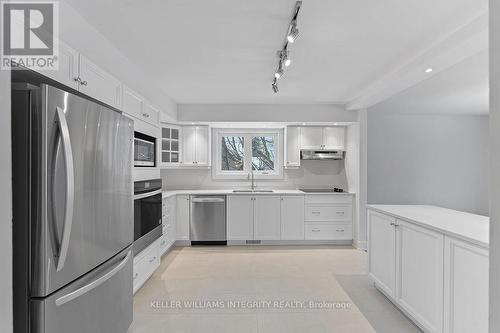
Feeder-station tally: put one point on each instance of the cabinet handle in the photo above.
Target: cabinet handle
(83, 83)
(340, 213)
(316, 213)
(145, 115)
(77, 79)
(316, 230)
(340, 230)
(136, 275)
(152, 260)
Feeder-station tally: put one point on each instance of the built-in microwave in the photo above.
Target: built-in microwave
(144, 150)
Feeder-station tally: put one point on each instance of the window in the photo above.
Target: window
(239, 152)
(263, 152)
(232, 153)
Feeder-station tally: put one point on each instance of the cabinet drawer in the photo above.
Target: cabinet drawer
(328, 231)
(164, 244)
(145, 264)
(328, 213)
(328, 199)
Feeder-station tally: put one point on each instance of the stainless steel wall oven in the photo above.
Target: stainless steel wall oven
(147, 213)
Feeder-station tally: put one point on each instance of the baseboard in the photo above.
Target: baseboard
(182, 243)
(292, 242)
(360, 245)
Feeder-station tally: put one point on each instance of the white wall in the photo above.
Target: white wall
(311, 173)
(265, 112)
(428, 159)
(5, 205)
(494, 166)
(75, 31)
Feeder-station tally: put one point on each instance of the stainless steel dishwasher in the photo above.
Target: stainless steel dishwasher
(208, 220)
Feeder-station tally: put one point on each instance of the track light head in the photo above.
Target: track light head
(293, 33)
(279, 72)
(284, 56)
(274, 85)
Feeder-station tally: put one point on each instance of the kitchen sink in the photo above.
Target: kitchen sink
(253, 191)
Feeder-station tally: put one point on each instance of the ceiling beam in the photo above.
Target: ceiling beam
(461, 44)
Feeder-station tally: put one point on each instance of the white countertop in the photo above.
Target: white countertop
(230, 192)
(470, 227)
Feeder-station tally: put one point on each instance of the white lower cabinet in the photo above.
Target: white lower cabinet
(265, 217)
(382, 251)
(240, 214)
(328, 231)
(328, 217)
(292, 217)
(419, 274)
(466, 268)
(145, 263)
(267, 220)
(182, 217)
(439, 281)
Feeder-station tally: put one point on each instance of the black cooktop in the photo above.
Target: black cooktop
(322, 190)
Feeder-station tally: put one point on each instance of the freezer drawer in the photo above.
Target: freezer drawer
(100, 301)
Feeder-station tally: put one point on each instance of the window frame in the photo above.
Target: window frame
(248, 135)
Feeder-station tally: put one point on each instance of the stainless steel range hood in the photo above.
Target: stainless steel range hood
(321, 155)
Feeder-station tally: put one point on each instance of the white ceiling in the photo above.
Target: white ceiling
(223, 51)
(461, 89)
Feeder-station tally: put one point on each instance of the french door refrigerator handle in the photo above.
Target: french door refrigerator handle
(94, 284)
(70, 187)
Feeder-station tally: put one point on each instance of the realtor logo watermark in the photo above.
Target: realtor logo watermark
(30, 34)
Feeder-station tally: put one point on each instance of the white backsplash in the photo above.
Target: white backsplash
(311, 173)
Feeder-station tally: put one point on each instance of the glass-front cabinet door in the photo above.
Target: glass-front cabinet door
(170, 144)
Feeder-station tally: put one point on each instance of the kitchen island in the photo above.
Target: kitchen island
(432, 263)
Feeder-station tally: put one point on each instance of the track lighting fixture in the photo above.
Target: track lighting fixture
(284, 54)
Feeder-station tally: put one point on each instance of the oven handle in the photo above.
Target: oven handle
(148, 194)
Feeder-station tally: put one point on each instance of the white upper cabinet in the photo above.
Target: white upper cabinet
(99, 84)
(78, 72)
(292, 147)
(311, 138)
(196, 145)
(132, 102)
(203, 145)
(151, 113)
(317, 138)
(137, 106)
(170, 145)
(189, 145)
(267, 222)
(67, 73)
(334, 138)
(292, 217)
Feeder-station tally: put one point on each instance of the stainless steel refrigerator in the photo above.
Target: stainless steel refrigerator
(73, 212)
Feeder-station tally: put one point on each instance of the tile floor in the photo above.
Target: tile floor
(251, 289)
